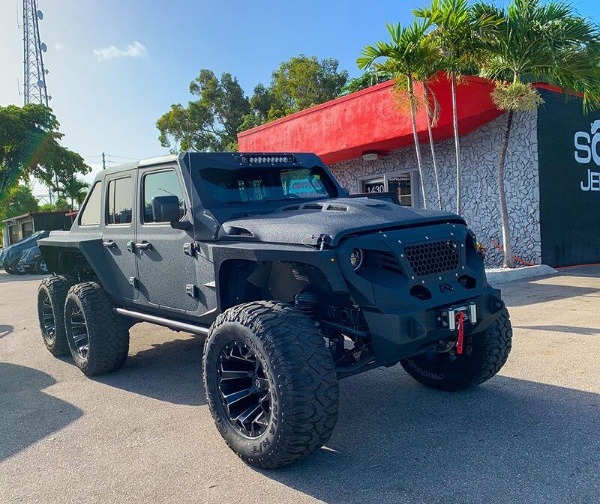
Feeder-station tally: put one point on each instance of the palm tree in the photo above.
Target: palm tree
(427, 72)
(75, 189)
(536, 42)
(457, 32)
(403, 57)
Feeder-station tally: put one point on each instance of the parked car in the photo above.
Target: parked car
(12, 254)
(32, 262)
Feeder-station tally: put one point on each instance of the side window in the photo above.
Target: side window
(119, 201)
(159, 185)
(90, 215)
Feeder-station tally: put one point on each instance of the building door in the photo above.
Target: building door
(401, 184)
(167, 276)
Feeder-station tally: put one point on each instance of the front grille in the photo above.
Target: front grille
(435, 257)
(384, 260)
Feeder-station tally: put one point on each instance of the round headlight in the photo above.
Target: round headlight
(356, 258)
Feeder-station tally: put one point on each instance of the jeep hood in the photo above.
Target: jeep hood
(305, 223)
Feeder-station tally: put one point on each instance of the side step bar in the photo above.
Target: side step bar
(171, 324)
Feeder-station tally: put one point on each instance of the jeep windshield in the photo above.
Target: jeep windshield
(257, 185)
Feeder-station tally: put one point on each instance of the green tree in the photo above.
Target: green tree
(18, 201)
(364, 81)
(303, 82)
(458, 33)
(75, 190)
(209, 123)
(546, 42)
(29, 137)
(403, 57)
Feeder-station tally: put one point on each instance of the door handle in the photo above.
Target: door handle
(143, 245)
(109, 244)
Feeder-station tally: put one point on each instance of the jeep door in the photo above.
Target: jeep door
(166, 275)
(119, 232)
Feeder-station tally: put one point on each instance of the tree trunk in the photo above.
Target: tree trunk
(433, 158)
(456, 143)
(508, 260)
(413, 115)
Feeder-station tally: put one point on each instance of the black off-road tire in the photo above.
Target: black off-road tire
(52, 294)
(483, 356)
(106, 342)
(299, 370)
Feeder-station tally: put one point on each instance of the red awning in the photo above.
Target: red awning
(370, 119)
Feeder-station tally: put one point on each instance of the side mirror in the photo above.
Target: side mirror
(184, 224)
(165, 208)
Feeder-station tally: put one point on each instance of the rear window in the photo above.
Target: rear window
(90, 215)
(263, 185)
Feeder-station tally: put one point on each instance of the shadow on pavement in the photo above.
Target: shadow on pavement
(26, 413)
(5, 330)
(532, 293)
(507, 441)
(169, 371)
(586, 331)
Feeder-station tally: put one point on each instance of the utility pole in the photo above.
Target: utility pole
(103, 162)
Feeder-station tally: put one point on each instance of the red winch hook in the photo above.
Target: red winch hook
(461, 333)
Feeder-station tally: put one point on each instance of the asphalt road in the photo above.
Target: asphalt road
(144, 433)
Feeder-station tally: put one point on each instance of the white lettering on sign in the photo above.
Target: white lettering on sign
(586, 150)
(593, 182)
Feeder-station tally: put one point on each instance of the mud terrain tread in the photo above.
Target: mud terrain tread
(490, 352)
(108, 333)
(304, 374)
(56, 288)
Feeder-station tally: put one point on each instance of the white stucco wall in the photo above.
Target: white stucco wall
(479, 159)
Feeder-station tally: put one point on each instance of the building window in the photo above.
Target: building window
(119, 201)
(399, 183)
(27, 229)
(13, 233)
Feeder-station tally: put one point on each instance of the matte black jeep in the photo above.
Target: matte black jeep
(294, 283)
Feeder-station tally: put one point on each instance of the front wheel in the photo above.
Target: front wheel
(270, 383)
(484, 355)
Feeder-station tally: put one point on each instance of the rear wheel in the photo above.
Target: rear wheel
(41, 268)
(484, 355)
(52, 293)
(98, 338)
(270, 382)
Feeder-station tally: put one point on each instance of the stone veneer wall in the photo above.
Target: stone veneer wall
(479, 159)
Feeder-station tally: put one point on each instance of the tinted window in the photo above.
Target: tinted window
(256, 185)
(90, 215)
(120, 201)
(161, 184)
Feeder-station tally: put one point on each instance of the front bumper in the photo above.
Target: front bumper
(397, 336)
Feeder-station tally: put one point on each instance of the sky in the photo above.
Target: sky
(117, 65)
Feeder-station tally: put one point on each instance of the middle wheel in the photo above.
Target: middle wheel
(270, 382)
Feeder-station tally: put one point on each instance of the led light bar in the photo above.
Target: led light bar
(267, 159)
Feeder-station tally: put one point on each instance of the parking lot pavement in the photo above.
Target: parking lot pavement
(144, 433)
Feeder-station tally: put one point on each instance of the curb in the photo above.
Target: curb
(496, 276)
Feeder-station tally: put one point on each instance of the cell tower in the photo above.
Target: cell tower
(34, 86)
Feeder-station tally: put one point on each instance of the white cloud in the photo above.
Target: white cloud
(135, 50)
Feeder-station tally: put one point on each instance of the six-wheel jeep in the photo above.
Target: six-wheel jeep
(294, 284)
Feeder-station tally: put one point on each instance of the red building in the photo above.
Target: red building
(552, 186)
